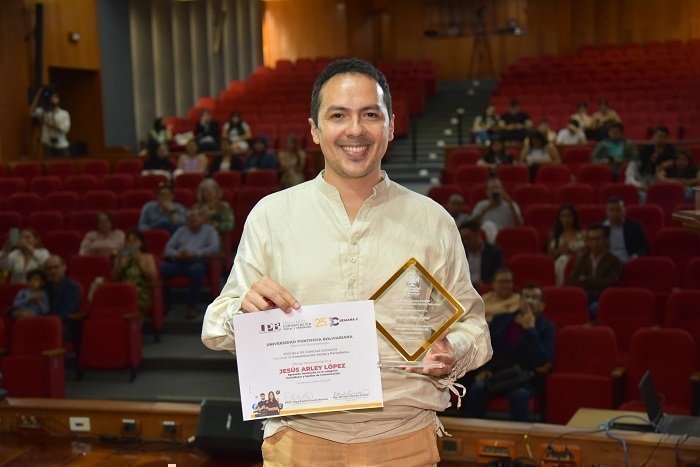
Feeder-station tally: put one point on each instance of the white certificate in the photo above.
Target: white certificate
(321, 358)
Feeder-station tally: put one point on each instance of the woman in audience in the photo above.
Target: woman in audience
(229, 158)
(236, 130)
(217, 212)
(683, 171)
(502, 299)
(158, 162)
(157, 135)
(584, 119)
(135, 265)
(496, 155)
(484, 125)
(602, 119)
(291, 162)
(544, 128)
(17, 258)
(537, 151)
(565, 240)
(192, 161)
(105, 240)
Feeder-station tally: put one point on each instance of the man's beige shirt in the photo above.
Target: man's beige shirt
(302, 238)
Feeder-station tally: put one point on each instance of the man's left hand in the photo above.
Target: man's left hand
(441, 351)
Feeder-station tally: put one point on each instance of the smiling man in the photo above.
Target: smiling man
(338, 238)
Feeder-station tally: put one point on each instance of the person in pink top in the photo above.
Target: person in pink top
(103, 241)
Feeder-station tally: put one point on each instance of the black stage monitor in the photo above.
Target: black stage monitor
(221, 431)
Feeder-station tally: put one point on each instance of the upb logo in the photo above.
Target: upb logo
(270, 327)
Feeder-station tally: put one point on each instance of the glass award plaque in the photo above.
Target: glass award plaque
(413, 310)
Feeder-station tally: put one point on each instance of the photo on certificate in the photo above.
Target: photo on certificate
(320, 358)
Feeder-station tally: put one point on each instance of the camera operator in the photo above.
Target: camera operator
(55, 122)
(498, 210)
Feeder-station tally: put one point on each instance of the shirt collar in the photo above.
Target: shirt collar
(330, 191)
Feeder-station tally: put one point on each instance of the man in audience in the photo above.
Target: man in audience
(652, 157)
(207, 132)
(55, 122)
(498, 210)
(522, 342)
(615, 150)
(455, 206)
(596, 269)
(571, 134)
(627, 238)
(163, 212)
(64, 297)
(484, 259)
(503, 298)
(514, 123)
(187, 253)
(259, 157)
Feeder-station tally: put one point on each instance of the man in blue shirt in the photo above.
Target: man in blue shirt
(187, 252)
(163, 212)
(64, 297)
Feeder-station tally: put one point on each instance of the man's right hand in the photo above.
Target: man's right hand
(267, 294)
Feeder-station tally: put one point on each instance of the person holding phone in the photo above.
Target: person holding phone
(54, 121)
(498, 210)
(26, 254)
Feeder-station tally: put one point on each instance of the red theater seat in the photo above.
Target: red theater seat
(515, 240)
(566, 305)
(627, 193)
(595, 175)
(575, 193)
(682, 313)
(553, 176)
(651, 217)
(625, 310)
(655, 273)
(532, 268)
(61, 200)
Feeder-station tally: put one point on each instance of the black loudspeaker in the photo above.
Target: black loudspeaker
(221, 431)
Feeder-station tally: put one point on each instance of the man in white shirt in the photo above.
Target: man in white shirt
(55, 124)
(571, 135)
(338, 238)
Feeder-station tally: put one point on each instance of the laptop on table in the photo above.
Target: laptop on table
(664, 423)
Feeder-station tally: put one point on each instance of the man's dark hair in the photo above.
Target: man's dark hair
(603, 228)
(36, 273)
(533, 286)
(470, 225)
(502, 271)
(348, 65)
(617, 125)
(574, 122)
(662, 129)
(615, 200)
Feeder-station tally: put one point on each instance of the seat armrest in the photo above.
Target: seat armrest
(53, 352)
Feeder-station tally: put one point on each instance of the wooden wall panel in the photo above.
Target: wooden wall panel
(307, 28)
(14, 76)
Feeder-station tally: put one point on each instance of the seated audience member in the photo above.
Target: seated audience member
(496, 155)
(484, 125)
(105, 240)
(514, 123)
(522, 342)
(571, 135)
(484, 259)
(627, 238)
(503, 298)
(33, 300)
(597, 268)
(683, 171)
(537, 151)
(237, 131)
(27, 254)
(215, 209)
(603, 119)
(652, 158)
(565, 240)
(163, 212)
(544, 128)
(584, 119)
(207, 132)
(498, 210)
(291, 162)
(191, 161)
(259, 157)
(455, 206)
(230, 157)
(158, 135)
(158, 162)
(186, 254)
(64, 296)
(135, 265)
(616, 150)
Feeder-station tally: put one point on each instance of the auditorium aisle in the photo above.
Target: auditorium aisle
(178, 368)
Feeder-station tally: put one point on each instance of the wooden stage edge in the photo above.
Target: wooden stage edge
(27, 421)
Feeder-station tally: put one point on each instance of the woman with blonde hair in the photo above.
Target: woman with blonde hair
(215, 209)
